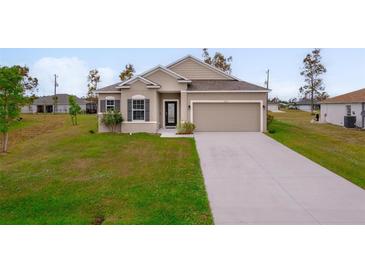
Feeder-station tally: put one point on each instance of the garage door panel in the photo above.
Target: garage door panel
(230, 117)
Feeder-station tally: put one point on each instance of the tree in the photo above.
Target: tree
(93, 80)
(275, 100)
(112, 119)
(14, 83)
(293, 100)
(74, 109)
(218, 60)
(312, 71)
(321, 96)
(127, 73)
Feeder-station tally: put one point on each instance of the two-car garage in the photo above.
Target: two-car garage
(227, 115)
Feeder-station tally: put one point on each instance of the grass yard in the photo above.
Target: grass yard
(336, 148)
(56, 173)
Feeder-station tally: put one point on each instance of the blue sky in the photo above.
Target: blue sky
(346, 67)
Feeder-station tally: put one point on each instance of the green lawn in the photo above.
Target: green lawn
(56, 173)
(336, 148)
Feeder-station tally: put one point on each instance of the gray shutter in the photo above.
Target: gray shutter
(147, 110)
(102, 106)
(129, 110)
(117, 105)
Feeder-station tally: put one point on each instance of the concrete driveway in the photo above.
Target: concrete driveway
(252, 179)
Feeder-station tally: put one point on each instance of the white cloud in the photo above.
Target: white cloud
(108, 77)
(72, 75)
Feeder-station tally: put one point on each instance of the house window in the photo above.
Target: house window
(110, 105)
(348, 110)
(138, 110)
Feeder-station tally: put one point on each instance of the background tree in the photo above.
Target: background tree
(312, 71)
(15, 82)
(93, 80)
(322, 96)
(274, 100)
(127, 73)
(74, 109)
(218, 60)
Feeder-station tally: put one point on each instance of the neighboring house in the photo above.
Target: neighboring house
(305, 105)
(333, 110)
(273, 107)
(45, 104)
(186, 90)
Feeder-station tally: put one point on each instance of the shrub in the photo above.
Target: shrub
(112, 119)
(272, 131)
(270, 118)
(74, 109)
(185, 128)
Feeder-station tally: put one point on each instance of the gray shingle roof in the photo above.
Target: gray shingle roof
(111, 87)
(62, 100)
(204, 85)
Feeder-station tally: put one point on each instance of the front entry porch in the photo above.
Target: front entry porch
(169, 109)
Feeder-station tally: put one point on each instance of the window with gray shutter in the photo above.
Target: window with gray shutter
(102, 106)
(129, 110)
(117, 105)
(147, 110)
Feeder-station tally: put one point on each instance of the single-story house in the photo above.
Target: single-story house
(333, 110)
(305, 105)
(185, 90)
(45, 104)
(273, 107)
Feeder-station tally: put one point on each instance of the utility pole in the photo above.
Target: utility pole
(267, 78)
(55, 94)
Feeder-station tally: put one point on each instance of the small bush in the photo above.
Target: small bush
(112, 119)
(272, 131)
(185, 128)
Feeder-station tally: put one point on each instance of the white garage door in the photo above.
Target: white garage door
(229, 117)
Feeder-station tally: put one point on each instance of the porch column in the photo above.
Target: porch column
(183, 106)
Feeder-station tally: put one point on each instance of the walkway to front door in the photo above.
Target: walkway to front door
(252, 179)
(170, 108)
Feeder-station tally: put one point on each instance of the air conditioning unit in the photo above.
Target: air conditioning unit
(349, 121)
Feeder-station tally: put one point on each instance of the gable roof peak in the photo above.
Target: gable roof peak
(138, 78)
(165, 69)
(189, 56)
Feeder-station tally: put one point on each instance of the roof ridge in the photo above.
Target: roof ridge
(203, 63)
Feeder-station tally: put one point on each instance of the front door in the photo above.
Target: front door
(170, 113)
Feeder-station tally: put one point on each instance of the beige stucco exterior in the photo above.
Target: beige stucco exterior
(170, 84)
(228, 110)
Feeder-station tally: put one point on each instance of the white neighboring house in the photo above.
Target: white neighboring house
(273, 107)
(305, 105)
(333, 110)
(45, 104)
